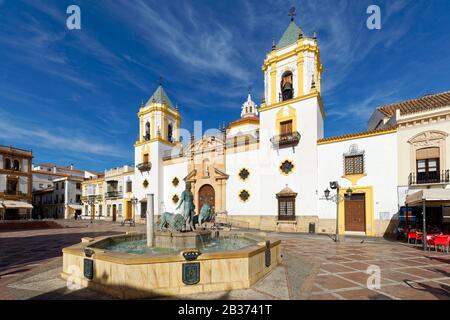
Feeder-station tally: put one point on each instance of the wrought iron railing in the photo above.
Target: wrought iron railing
(146, 166)
(429, 177)
(113, 194)
(286, 139)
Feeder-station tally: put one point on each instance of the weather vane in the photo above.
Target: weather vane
(292, 13)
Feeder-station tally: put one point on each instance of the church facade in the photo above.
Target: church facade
(271, 168)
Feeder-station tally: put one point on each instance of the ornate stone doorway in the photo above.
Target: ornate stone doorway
(206, 194)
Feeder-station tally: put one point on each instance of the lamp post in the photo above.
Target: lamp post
(337, 198)
(91, 202)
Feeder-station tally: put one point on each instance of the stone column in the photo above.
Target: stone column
(150, 220)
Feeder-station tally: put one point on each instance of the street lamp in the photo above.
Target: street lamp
(337, 198)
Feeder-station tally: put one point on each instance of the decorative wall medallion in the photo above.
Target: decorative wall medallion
(175, 199)
(244, 195)
(286, 167)
(145, 183)
(175, 181)
(191, 273)
(243, 174)
(88, 268)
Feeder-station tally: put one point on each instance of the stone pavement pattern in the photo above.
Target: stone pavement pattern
(314, 267)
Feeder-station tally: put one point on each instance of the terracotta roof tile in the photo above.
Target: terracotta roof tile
(424, 103)
(357, 135)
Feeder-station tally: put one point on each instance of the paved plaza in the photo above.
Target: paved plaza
(314, 267)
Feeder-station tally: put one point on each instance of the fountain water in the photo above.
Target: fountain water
(172, 260)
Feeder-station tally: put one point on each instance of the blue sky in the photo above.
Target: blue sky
(72, 95)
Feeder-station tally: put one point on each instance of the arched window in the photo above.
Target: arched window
(8, 164)
(147, 131)
(287, 89)
(170, 132)
(16, 165)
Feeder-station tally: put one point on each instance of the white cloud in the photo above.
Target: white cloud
(36, 135)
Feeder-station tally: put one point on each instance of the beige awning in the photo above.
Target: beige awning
(16, 205)
(76, 206)
(428, 195)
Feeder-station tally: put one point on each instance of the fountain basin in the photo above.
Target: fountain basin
(162, 271)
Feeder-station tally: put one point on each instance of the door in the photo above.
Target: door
(286, 208)
(129, 210)
(114, 212)
(93, 212)
(355, 213)
(206, 193)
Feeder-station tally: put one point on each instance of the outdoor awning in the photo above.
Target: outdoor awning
(16, 205)
(76, 206)
(428, 195)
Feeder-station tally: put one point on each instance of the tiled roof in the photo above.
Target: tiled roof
(160, 96)
(356, 135)
(424, 103)
(290, 36)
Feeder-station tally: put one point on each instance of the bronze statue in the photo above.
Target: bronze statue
(188, 212)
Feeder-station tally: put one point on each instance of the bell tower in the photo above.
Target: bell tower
(159, 123)
(291, 117)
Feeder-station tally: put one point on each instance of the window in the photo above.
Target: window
(428, 170)
(147, 131)
(175, 181)
(100, 210)
(62, 198)
(8, 164)
(120, 209)
(78, 186)
(16, 165)
(170, 132)
(129, 186)
(11, 186)
(78, 198)
(287, 91)
(175, 199)
(145, 183)
(286, 208)
(286, 128)
(56, 198)
(86, 210)
(62, 185)
(354, 164)
(146, 157)
(108, 210)
(56, 185)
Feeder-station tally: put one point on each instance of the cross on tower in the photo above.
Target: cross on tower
(292, 13)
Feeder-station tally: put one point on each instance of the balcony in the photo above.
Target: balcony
(113, 194)
(286, 140)
(146, 166)
(429, 177)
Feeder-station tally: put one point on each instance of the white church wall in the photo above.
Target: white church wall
(177, 170)
(234, 163)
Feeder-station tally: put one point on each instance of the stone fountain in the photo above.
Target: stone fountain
(175, 259)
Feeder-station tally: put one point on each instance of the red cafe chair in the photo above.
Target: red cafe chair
(442, 242)
(411, 236)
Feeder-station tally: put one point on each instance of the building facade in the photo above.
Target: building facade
(15, 183)
(110, 197)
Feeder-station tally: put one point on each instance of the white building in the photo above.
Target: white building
(270, 168)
